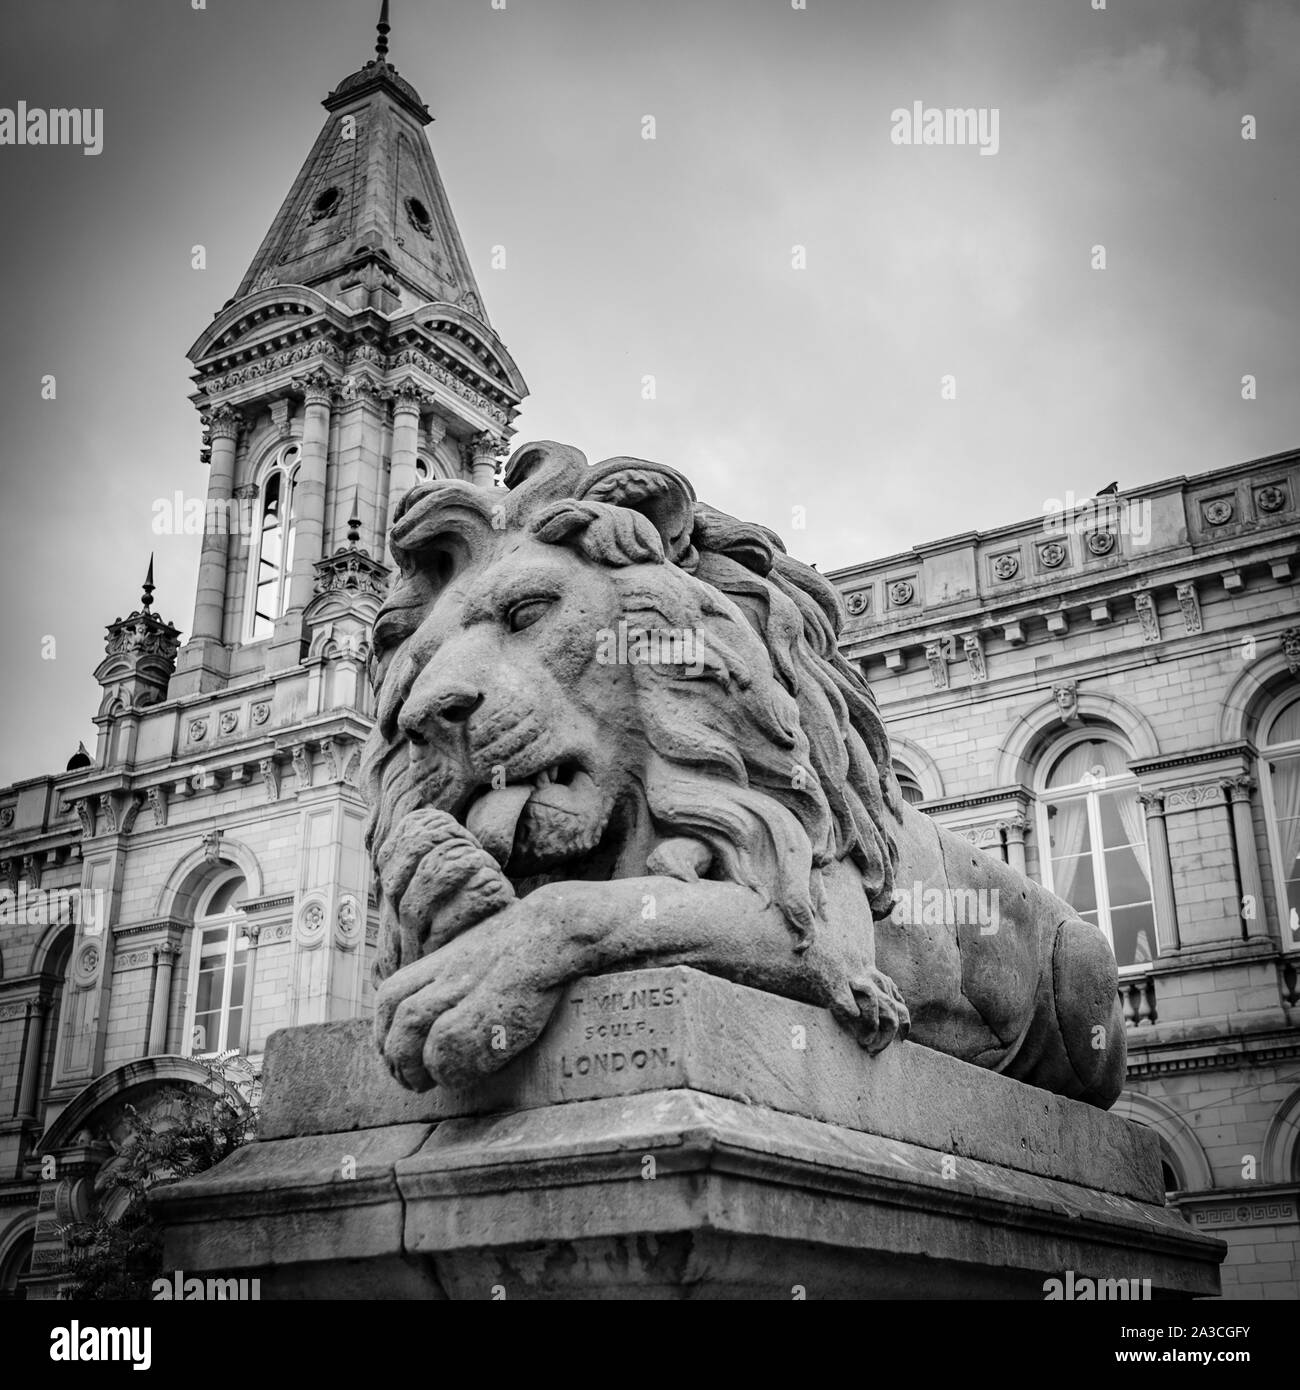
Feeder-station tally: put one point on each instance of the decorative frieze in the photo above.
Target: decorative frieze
(1193, 797)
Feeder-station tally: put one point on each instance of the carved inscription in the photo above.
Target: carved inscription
(613, 1031)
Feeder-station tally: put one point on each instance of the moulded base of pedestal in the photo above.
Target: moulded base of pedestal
(751, 1170)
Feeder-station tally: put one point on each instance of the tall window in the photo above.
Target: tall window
(217, 972)
(271, 561)
(1094, 831)
(1280, 776)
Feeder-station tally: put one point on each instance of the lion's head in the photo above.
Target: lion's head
(591, 663)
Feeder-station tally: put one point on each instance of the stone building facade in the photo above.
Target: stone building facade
(1111, 705)
(200, 879)
(1108, 697)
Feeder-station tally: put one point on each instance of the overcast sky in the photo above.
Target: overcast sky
(776, 387)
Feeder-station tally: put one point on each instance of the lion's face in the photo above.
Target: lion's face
(511, 721)
(503, 701)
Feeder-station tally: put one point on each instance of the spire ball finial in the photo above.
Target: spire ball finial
(149, 586)
(381, 46)
(354, 521)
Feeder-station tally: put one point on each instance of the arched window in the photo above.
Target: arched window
(1094, 831)
(908, 785)
(271, 559)
(215, 1017)
(1280, 782)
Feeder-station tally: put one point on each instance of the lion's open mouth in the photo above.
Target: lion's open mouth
(536, 823)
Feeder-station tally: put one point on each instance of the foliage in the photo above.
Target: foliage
(185, 1131)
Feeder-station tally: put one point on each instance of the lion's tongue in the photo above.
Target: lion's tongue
(493, 818)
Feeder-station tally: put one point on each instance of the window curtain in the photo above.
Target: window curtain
(1069, 827)
(1284, 774)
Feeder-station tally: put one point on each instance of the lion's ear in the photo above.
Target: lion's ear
(659, 493)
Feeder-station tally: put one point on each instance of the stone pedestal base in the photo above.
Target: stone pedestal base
(676, 1136)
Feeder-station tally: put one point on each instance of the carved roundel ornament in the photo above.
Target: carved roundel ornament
(312, 921)
(1271, 498)
(1052, 555)
(1101, 542)
(1006, 566)
(901, 593)
(1219, 512)
(86, 967)
(857, 603)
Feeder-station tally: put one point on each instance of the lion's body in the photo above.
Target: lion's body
(526, 789)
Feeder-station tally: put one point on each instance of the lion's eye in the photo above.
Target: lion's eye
(525, 614)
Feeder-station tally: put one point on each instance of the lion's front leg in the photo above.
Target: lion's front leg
(465, 1010)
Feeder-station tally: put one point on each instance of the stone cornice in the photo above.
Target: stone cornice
(1019, 794)
(256, 906)
(1145, 767)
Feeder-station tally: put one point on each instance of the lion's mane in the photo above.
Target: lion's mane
(772, 753)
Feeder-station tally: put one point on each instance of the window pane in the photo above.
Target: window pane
(208, 989)
(1284, 775)
(1134, 932)
(1087, 762)
(1286, 727)
(1123, 821)
(1068, 828)
(227, 896)
(1126, 878)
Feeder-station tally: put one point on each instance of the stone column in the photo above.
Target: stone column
(407, 401)
(1162, 873)
(309, 495)
(33, 1048)
(1238, 790)
(210, 602)
(1016, 829)
(484, 468)
(252, 930)
(164, 958)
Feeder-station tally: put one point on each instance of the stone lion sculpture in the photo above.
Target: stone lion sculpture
(614, 730)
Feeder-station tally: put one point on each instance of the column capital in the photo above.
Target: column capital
(223, 422)
(408, 397)
(1153, 803)
(166, 952)
(1238, 788)
(318, 387)
(485, 446)
(1016, 827)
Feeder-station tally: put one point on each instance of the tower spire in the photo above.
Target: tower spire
(381, 45)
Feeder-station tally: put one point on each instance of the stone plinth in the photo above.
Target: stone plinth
(674, 1135)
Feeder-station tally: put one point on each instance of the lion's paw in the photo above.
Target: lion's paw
(881, 1015)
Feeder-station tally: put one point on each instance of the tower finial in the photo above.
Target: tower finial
(149, 586)
(381, 47)
(354, 521)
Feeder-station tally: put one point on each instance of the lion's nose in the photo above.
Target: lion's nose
(445, 709)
